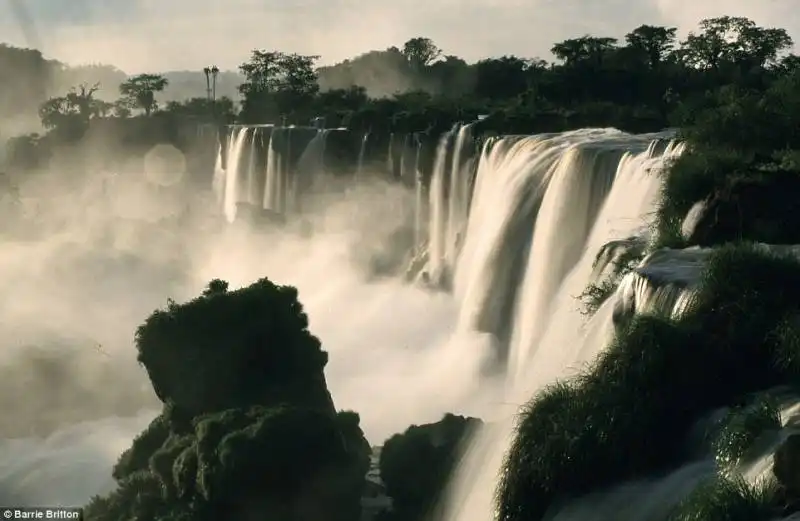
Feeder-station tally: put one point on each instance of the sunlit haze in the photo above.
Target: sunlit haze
(150, 35)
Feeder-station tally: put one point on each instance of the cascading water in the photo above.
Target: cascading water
(448, 203)
(252, 182)
(236, 146)
(542, 208)
(362, 151)
(520, 240)
(218, 183)
(275, 175)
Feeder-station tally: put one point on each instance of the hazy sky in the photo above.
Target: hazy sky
(150, 35)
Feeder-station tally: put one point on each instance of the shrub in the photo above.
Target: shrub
(742, 427)
(726, 499)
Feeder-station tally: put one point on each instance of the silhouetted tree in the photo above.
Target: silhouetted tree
(421, 52)
(278, 84)
(141, 90)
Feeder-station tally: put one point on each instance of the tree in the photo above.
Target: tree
(278, 84)
(733, 40)
(504, 78)
(141, 91)
(421, 52)
(69, 115)
(583, 50)
(222, 108)
(654, 43)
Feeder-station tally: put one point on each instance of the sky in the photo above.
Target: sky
(159, 35)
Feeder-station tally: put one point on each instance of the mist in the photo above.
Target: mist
(85, 260)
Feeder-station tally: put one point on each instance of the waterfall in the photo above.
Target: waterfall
(542, 208)
(274, 184)
(236, 145)
(421, 208)
(448, 203)
(251, 170)
(218, 183)
(362, 150)
(311, 163)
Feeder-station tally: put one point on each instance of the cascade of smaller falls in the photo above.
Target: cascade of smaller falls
(268, 167)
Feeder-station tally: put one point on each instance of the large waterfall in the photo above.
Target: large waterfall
(540, 209)
(506, 234)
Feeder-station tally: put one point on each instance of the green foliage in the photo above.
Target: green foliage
(725, 499)
(421, 52)
(742, 427)
(626, 417)
(69, 115)
(623, 256)
(733, 41)
(229, 349)
(222, 109)
(417, 464)
(597, 293)
(140, 91)
(248, 427)
(137, 457)
(278, 84)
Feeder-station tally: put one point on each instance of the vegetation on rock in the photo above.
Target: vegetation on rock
(248, 428)
(417, 464)
(742, 427)
(629, 415)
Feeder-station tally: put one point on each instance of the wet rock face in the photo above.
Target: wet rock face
(786, 466)
(764, 209)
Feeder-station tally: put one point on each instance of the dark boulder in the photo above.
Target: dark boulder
(765, 208)
(786, 465)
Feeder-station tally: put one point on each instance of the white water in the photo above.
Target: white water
(236, 145)
(388, 341)
(585, 198)
(275, 177)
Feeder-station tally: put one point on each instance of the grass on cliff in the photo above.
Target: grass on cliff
(741, 429)
(628, 416)
(730, 499)
(622, 258)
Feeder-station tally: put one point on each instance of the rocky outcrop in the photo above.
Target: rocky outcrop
(759, 209)
(248, 429)
(786, 466)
